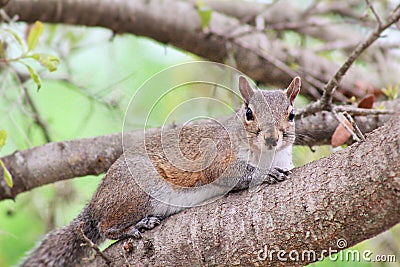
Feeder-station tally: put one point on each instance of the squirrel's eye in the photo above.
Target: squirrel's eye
(291, 115)
(249, 114)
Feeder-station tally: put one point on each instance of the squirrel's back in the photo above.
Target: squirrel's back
(205, 151)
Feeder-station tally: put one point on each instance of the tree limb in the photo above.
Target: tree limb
(278, 16)
(58, 161)
(353, 195)
(157, 19)
(3, 3)
(325, 103)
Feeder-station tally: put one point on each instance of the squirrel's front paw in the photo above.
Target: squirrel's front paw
(276, 174)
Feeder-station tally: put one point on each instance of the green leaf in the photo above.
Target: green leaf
(16, 37)
(3, 137)
(2, 51)
(391, 91)
(48, 61)
(34, 35)
(205, 13)
(35, 77)
(7, 175)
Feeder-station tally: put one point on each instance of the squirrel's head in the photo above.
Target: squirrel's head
(268, 115)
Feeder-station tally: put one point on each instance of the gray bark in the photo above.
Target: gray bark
(353, 194)
(265, 59)
(58, 161)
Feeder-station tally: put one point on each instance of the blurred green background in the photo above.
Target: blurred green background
(87, 96)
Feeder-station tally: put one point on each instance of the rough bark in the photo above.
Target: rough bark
(278, 16)
(3, 3)
(353, 194)
(58, 161)
(265, 59)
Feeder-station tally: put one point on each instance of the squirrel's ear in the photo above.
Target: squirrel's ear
(293, 90)
(245, 89)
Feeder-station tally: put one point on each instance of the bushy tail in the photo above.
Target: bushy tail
(62, 247)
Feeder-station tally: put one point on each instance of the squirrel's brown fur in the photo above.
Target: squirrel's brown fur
(197, 163)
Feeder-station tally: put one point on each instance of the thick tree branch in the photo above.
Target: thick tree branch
(279, 17)
(353, 194)
(58, 161)
(3, 3)
(178, 23)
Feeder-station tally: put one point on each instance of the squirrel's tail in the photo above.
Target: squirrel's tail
(62, 247)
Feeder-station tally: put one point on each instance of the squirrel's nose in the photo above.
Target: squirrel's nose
(271, 141)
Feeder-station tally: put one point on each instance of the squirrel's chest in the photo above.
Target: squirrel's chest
(191, 156)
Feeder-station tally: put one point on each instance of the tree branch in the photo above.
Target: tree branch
(157, 19)
(3, 3)
(322, 202)
(278, 14)
(58, 161)
(325, 103)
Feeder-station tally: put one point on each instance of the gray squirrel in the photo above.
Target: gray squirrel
(172, 170)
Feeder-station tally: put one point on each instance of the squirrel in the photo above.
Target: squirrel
(175, 169)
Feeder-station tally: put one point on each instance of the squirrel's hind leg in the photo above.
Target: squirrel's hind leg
(117, 233)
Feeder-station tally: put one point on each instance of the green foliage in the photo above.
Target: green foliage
(16, 37)
(205, 13)
(3, 137)
(90, 102)
(99, 77)
(6, 173)
(48, 61)
(34, 35)
(391, 92)
(26, 51)
(35, 77)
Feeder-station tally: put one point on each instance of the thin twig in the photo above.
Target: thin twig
(354, 124)
(34, 113)
(341, 121)
(312, 83)
(325, 103)
(363, 111)
(326, 99)
(93, 245)
(36, 116)
(378, 19)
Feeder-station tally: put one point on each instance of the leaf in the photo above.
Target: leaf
(380, 107)
(367, 101)
(34, 35)
(341, 135)
(7, 175)
(352, 99)
(35, 77)
(3, 137)
(16, 37)
(391, 91)
(2, 50)
(48, 61)
(205, 13)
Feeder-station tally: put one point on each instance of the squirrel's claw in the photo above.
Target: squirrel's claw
(276, 174)
(134, 232)
(148, 223)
